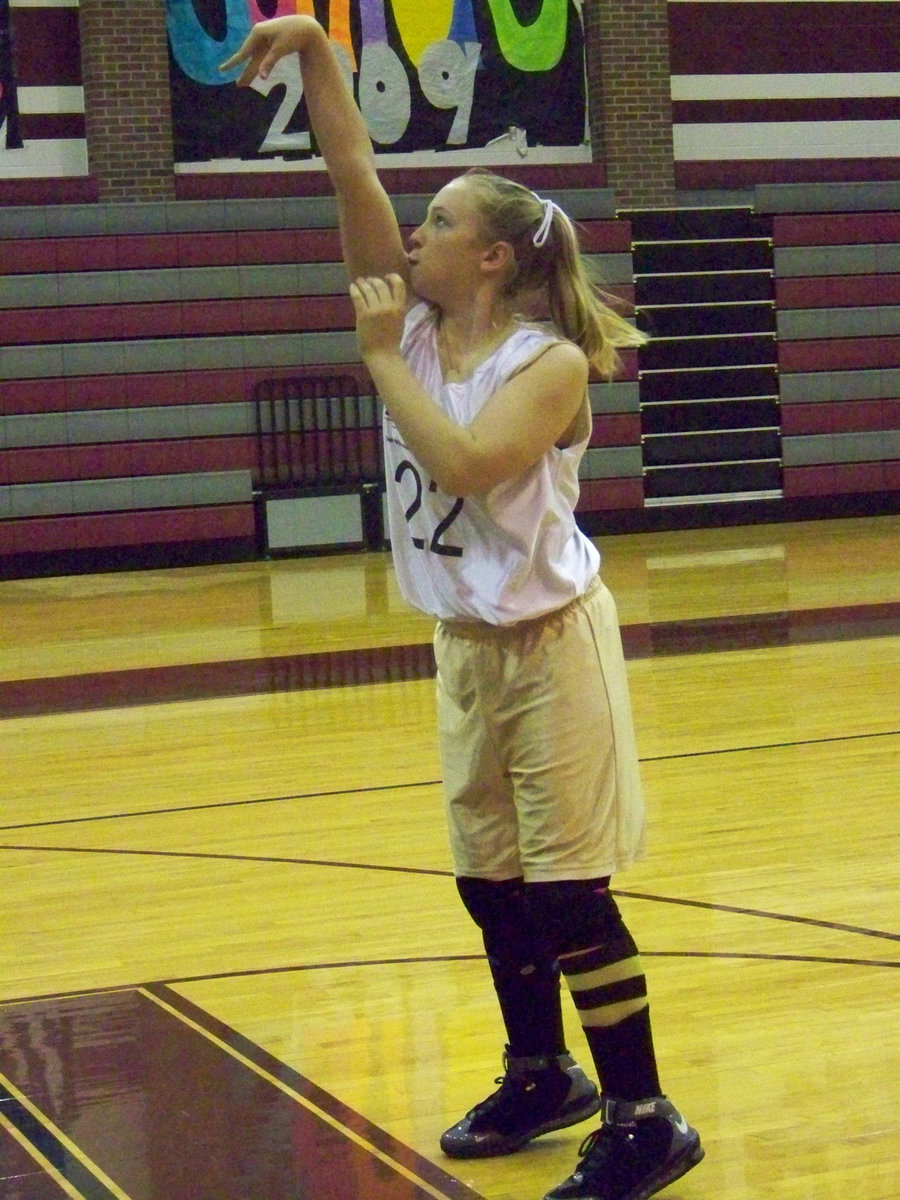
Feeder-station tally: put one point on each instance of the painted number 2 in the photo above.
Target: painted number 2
(437, 545)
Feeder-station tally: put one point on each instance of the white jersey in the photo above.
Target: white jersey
(506, 555)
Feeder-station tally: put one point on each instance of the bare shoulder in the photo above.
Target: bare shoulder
(565, 354)
(560, 360)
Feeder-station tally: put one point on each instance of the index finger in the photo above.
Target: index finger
(397, 285)
(257, 56)
(239, 55)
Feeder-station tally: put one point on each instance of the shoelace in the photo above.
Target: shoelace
(601, 1154)
(491, 1102)
(597, 1144)
(509, 1091)
(505, 1102)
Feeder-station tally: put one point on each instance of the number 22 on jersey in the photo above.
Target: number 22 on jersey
(437, 542)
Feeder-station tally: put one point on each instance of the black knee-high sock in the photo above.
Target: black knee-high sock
(600, 962)
(608, 986)
(525, 975)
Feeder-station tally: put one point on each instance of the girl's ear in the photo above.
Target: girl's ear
(497, 258)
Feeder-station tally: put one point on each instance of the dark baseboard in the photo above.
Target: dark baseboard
(110, 559)
(750, 512)
(594, 524)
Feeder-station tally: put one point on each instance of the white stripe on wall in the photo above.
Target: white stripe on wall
(786, 139)
(43, 100)
(44, 158)
(498, 154)
(822, 86)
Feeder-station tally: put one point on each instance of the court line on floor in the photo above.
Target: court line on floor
(712, 955)
(737, 910)
(428, 960)
(214, 804)
(373, 1140)
(209, 1053)
(36, 1155)
(417, 783)
(828, 960)
(822, 741)
(276, 860)
(89, 1180)
(205, 855)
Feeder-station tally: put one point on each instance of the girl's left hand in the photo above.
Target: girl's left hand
(266, 43)
(380, 307)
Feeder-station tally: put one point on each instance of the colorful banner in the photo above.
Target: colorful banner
(429, 75)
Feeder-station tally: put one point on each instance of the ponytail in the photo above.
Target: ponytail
(549, 262)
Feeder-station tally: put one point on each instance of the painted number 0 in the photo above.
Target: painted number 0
(436, 546)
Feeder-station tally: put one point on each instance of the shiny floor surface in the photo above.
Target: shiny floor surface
(233, 962)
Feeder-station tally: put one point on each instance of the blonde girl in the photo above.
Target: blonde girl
(487, 417)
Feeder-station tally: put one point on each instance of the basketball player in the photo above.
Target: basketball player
(486, 419)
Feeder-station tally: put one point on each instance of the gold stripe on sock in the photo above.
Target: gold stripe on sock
(628, 968)
(612, 1014)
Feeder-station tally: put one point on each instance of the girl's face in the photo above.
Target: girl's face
(447, 250)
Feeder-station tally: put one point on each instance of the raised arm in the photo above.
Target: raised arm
(370, 235)
(537, 408)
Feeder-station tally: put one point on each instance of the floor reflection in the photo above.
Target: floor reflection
(126, 1097)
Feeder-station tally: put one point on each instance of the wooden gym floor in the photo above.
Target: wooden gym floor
(234, 966)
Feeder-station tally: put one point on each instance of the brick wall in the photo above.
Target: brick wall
(630, 98)
(125, 70)
(128, 108)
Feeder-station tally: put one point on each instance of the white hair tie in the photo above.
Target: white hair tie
(543, 230)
